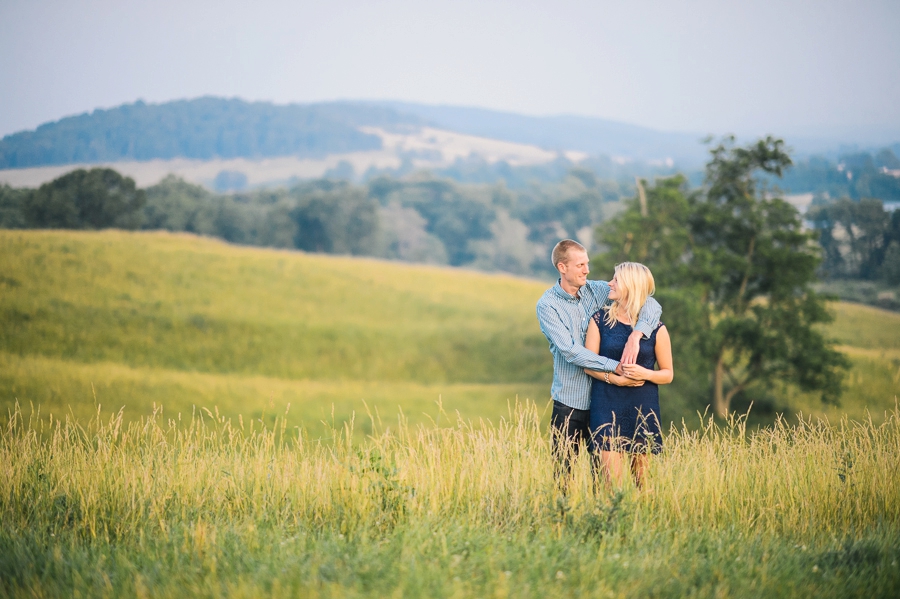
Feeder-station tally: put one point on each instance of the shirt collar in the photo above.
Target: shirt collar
(563, 293)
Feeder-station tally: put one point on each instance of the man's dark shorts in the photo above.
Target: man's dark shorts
(568, 428)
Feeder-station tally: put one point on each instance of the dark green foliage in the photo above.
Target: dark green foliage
(203, 128)
(890, 267)
(855, 176)
(452, 213)
(176, 205)
(11, 202)
(335, 218)
(420, 219)
(563, 210)
(860, 240)
(94, 199)
(737, 267)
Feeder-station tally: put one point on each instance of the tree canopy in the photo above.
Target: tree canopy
(735, 268)
(94, 199)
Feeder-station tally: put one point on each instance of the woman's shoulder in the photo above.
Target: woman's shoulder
(660, 327)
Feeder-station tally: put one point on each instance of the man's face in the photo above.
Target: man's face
(575, 269)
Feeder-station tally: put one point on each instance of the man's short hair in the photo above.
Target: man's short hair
(562, 249)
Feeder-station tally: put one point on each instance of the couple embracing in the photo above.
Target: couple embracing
(605, 339)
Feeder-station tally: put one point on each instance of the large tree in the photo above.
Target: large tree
(94, 199)
(737, 266)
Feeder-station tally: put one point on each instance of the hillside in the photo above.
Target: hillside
(133, 319)
(203, 129)
(181, 320)
(591, 135)
(212, 128)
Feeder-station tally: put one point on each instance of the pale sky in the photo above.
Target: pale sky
(816, 67)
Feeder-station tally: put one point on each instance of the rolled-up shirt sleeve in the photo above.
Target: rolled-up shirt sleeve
(566, 342)
(648, 317)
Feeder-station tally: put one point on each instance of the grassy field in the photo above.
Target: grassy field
(130, 320)
(211, 507)
(281, 424)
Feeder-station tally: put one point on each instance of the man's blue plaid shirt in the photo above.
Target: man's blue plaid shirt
(564, 321)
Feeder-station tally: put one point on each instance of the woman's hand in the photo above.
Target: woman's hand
(636, 372)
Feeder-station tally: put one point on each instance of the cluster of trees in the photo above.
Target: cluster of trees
(735, 268)
(854, 176)
(419, 218)
(859, 240)
(96, 199)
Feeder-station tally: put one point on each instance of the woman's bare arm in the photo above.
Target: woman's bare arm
(592, 339)
(592, 342)
(663, 350)
(614, 379)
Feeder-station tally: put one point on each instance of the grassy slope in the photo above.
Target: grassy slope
(133, 319)
(126, 319)
(871, 339)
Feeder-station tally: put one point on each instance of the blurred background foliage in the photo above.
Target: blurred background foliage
(419, 218)
(491, 217)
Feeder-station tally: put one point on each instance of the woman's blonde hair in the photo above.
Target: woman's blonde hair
(635, 283)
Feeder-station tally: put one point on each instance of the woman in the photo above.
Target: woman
(624, 420)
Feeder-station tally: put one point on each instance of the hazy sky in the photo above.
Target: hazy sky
(787, 66)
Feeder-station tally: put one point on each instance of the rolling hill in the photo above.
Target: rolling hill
(203, 129)
(136, 319)
(218, 128)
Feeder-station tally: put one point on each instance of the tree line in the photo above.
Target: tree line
(856, 176)
(418, 218)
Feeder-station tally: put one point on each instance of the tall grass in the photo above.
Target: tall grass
(208, 506)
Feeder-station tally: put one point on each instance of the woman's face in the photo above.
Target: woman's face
(614, 289)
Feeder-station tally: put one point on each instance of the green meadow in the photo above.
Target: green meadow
(129, 320)
(132, 320)
(182, 417)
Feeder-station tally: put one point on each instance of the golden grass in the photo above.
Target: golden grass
(210, 505)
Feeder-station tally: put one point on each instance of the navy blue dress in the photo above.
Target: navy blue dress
(625, 418)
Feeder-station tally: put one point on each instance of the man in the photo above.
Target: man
(564, 312)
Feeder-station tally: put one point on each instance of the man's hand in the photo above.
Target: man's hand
(624, 381)
(629, 354)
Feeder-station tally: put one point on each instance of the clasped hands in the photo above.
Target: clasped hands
(627, 373)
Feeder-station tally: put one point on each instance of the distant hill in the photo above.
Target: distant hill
(594, 136)
(203, 128)
(216, 128)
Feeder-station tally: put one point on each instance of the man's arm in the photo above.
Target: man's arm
(648, 317)
(571, 349)
(648, 320)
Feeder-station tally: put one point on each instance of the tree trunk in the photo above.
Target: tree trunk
(720, 402)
